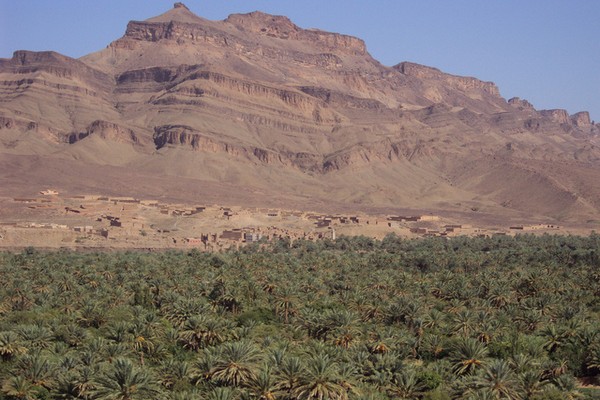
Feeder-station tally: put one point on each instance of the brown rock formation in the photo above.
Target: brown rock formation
(581, 119)
(522, 104)
(558, 115)
(106, 130)
(261, 105)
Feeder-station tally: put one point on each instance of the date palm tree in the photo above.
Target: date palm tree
(531, 382)
(263, 386)
(200, 331)
(201, 370)
(236, 364)
(36, 336)
(19, 388)
(74, 385)
(321, 380)
(285, 304)
(499, 381)
(405, 384)
(10, 345)
(463, 322)
(123, 381)
(433, 346)
(37, 369)
(173, 372)
(468, 355)
(289, 374)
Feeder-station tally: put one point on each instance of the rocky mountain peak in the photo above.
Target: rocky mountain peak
(180, 5)
(179, 13)
(265, 24)
(521, 104)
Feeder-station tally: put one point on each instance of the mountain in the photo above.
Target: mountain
(256, 110)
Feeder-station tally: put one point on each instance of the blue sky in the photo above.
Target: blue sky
(545, 51)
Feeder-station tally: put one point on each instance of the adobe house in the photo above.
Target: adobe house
(452, 228)
(234, 234)
(252, 237)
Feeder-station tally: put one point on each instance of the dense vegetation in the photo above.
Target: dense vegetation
(483, 318)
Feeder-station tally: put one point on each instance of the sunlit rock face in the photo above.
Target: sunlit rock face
(258, 102)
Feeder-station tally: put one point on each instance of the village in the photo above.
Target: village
(52, 220)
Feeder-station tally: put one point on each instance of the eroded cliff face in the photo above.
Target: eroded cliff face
(26, 62)
(106, 130)
(281, 27)
(187, 137)
(581, 119)
(54, 91)
(558, 115)
(258, 93)
(459, 82)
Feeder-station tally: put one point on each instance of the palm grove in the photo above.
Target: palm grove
(481, 318)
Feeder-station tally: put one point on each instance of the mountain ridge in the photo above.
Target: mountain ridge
(258, 101)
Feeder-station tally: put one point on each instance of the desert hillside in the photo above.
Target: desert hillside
(255, 110)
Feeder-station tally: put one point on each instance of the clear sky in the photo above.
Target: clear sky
(545, 51)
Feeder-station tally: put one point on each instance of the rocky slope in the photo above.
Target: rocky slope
(260, 105)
